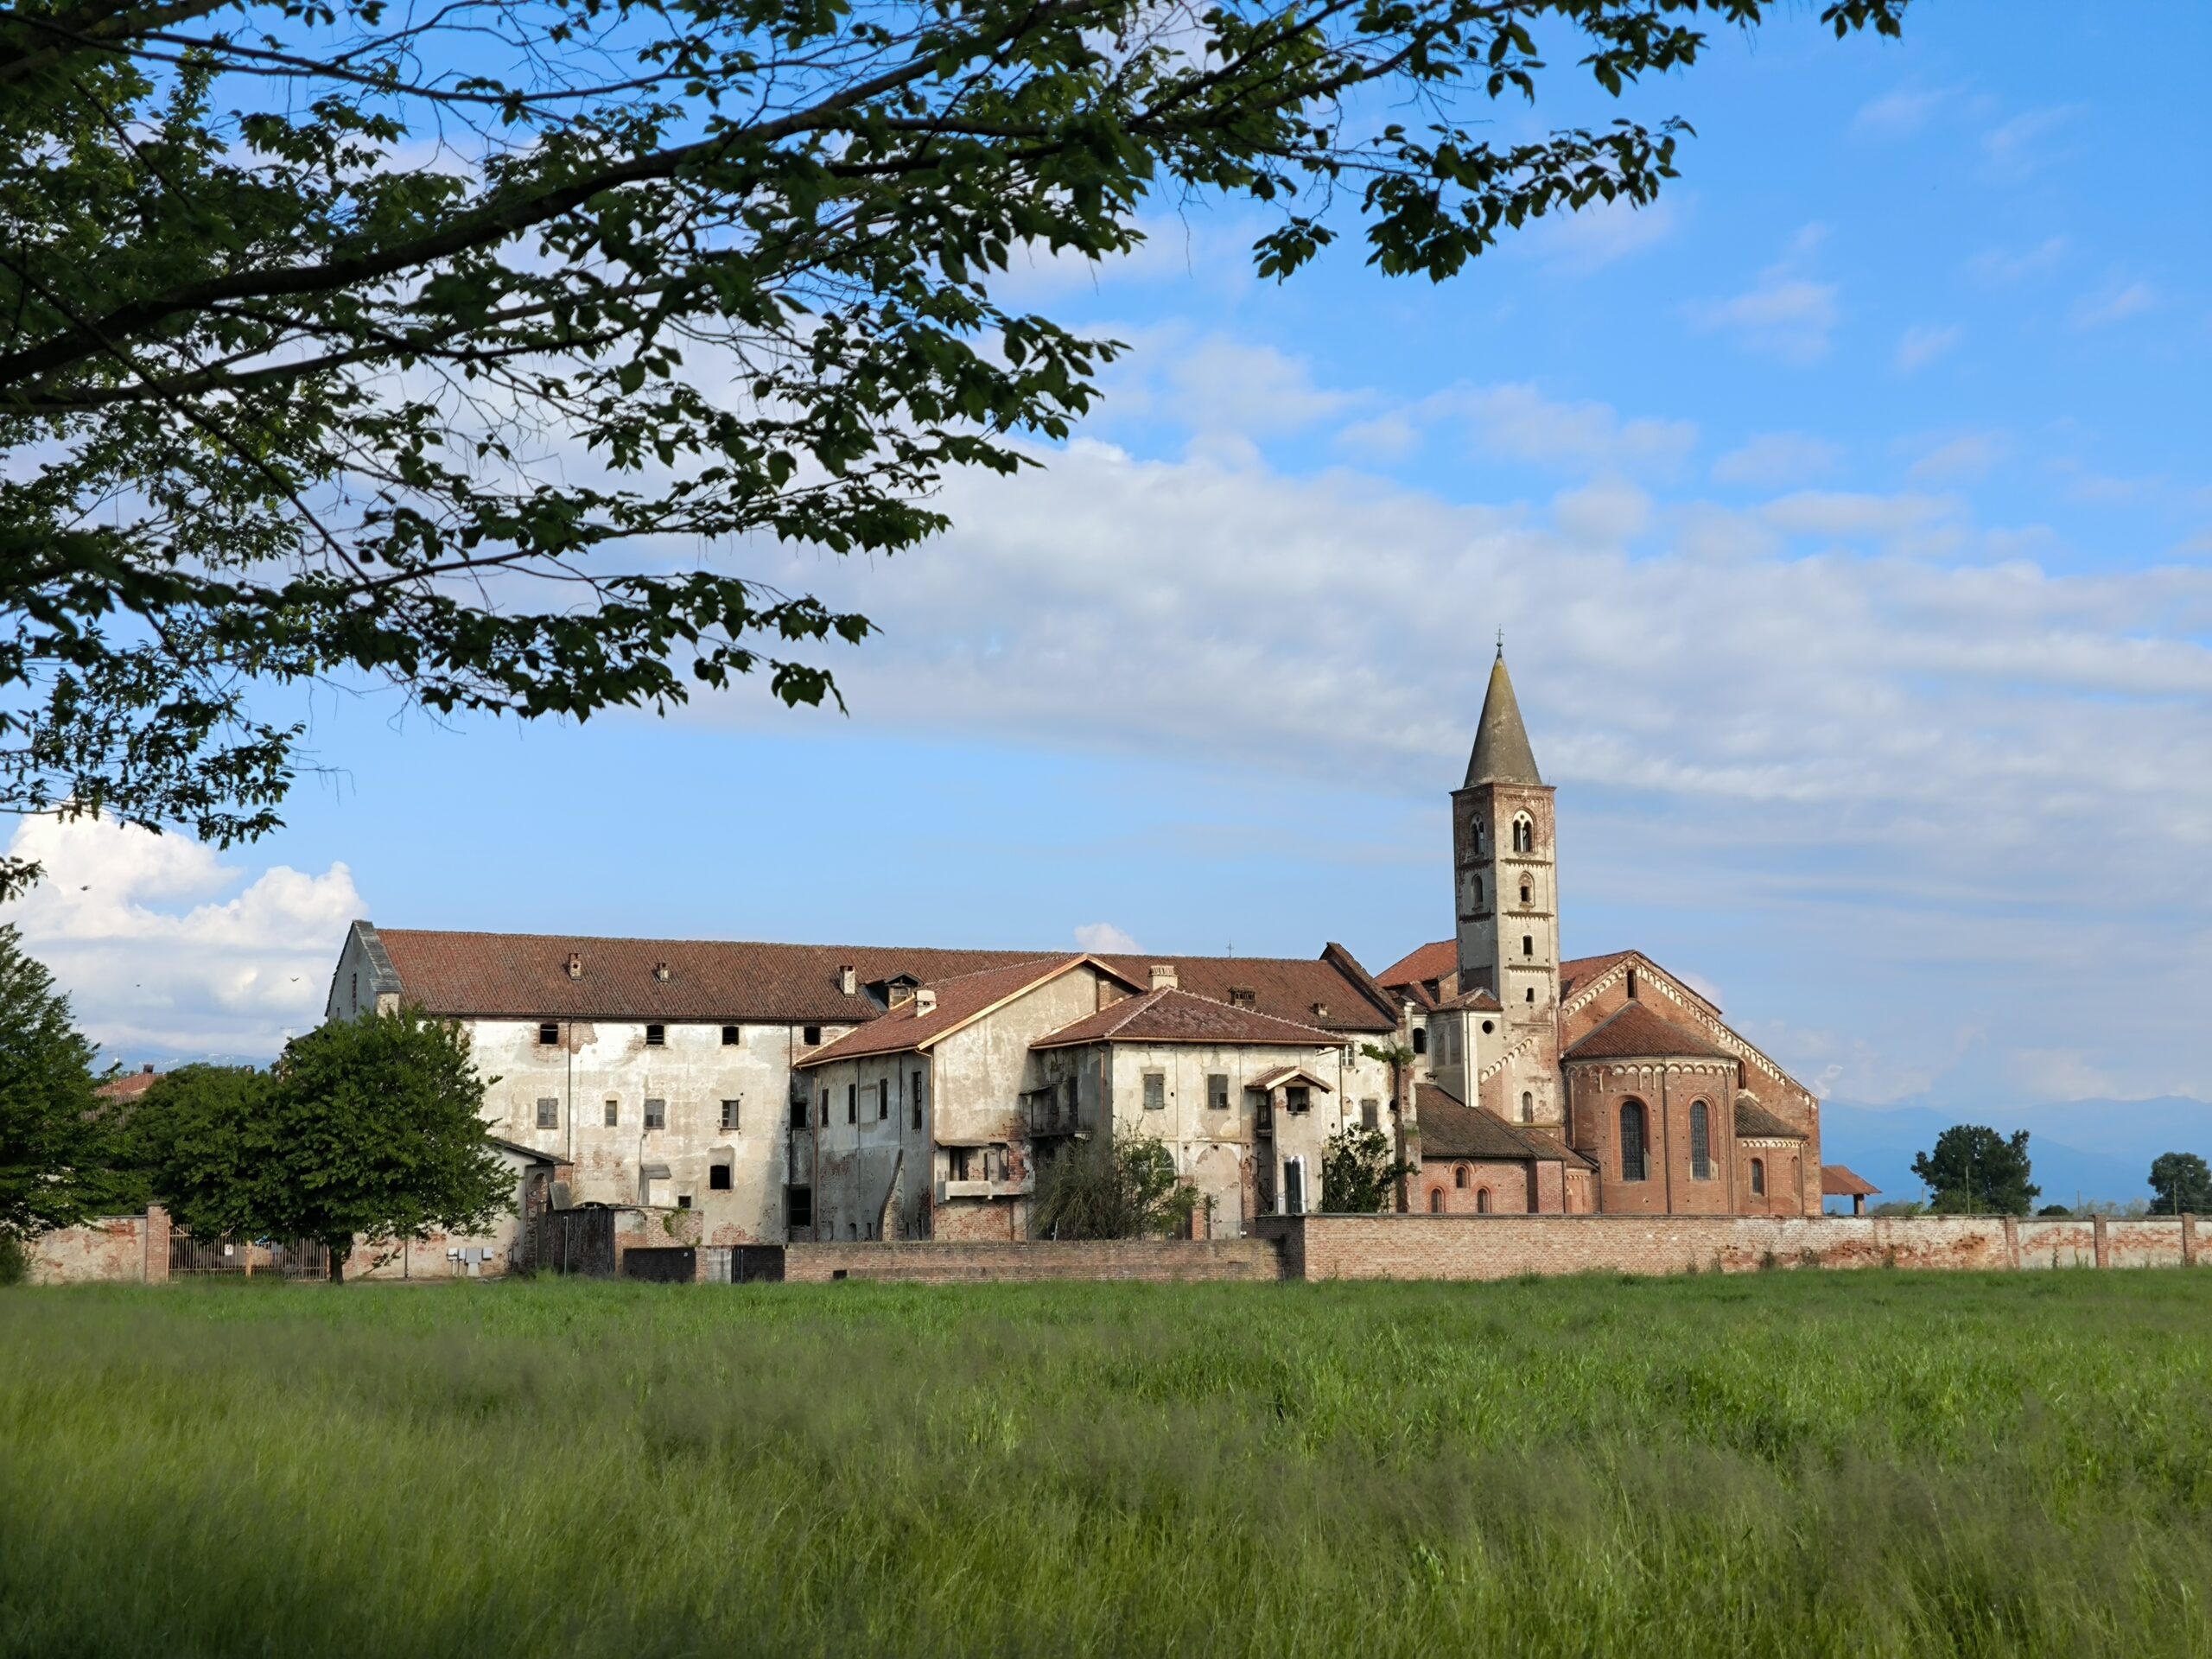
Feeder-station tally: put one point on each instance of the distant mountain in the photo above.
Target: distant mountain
(2084, 1148)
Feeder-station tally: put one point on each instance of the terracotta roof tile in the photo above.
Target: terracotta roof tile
(1636, 1032)
(130, 1086)
(1577, 969)
(1290, 987)
(1428, 961)
(1450, 1130)
(1837, 1182)
(958, 1000)
(1754, 1122)
(1178, 1016)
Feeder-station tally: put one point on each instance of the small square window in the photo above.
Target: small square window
(1217, 1091)
(1299, 1097)
(811, 1036)
(549, 1112)
(655, 1036)
(1155, 1092)
(718, 1178)
(613, 1113)
(548, 1033)
(729, 1114)
(656, 1114)
(733, 1036)
(683, 1200)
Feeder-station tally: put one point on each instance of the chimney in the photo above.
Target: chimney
(849, 979)
(146, 1070)
(1163, 976)
(925, 1001)
(576, 964)
(660, 972)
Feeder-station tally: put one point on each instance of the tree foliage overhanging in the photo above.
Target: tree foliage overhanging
(433, 345)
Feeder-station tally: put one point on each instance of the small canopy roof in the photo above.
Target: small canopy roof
(1837, 1182)
(1285, 1074)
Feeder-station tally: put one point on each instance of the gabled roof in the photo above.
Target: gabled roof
(1578, 971)
(1636, 1032)
(1837, 1182)
(1290, 987)
(1755, 1123)
(1501, 755)
(960, 1001)
(1178, 1016)
(1288, 1074)
(1450, 1130)
(130, 1086)
(1425, 962)
(1476, 1000)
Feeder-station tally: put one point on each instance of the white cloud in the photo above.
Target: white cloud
(157, 962)
(2116, 301)
(1106, 939)
(1774, 459)
(2024, 144)
(1601, 234)
(1518, 422)
(1999, 265)
(1387, 437)
(1923, 343)
(1785, 314)
(1897, 115)
(1227, 391)
(1959, 460)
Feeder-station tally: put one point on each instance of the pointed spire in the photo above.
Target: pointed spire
(1502, 753)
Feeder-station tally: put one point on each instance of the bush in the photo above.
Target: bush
(14, 1260)
(1125, 1188)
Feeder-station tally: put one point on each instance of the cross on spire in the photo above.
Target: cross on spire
(1500, 644)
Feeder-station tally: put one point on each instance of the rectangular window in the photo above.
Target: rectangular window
(798, 1209)
(718, 1178)
(917, 1098)
(1370, 1113)
(1155, 1092)
(1217, 1092)
(549, 1112)
(655, 1036)
(1298, 1097)
(613, 1113)
(656, 1114)
(729, 1114)
(852, 1103)
(883, 1101)
(825, 1109)
(548, 1033)
(811, 1036)
(799, 1113)
(683, 1200)
(733, 1036)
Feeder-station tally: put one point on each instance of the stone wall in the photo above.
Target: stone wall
(117, 1250)
(1507, 1247)
(1152, 1261)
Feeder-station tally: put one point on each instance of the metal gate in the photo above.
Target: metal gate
(676, 1264)
(294, 1258)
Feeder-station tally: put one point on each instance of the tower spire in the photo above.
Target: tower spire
(1502, 753)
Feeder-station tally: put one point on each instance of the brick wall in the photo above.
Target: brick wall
(119, 1249)
(1154, 1260)
(1505, 1247)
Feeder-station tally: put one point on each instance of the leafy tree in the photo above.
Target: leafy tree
(366, 1129)
(1975, 1170)
(410, 347)
(2182, 1184)
(1359, 1172)
(54, 1144)
(1124, 1188)
(2054, 1212)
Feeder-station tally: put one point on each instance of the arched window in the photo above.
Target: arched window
(1482, 1201)
(1460, 1178)
(1758, 1177)
(1474, 893)
(1436, 1201)
(1528, 893)
(1633, 1141)
(1700, 1141)
(1420, 1040)
(1631, 982)
(1527, 1107)
(1524, 835)
(1475, 834)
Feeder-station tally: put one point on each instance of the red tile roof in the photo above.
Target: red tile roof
(1178, 1016)
(1290, 987)
(1478, 1001)
(1837, 1182)
(1429, 961)
(1578, 970)
(130, 1085)
(1450, 1130)
(1288, 1074)
(1755, 1123)
(960, 1000)
(1636, 1032)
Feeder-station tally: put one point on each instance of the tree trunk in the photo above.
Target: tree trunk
(337, 1256)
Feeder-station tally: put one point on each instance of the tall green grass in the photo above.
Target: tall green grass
(1802, 1463)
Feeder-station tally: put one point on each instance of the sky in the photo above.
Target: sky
(1846, 516)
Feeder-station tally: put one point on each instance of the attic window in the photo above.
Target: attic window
(1299, 1097)
(1320, 1010)
(655, 1036)
(811, 1036)
(733, 1036)
(548, 1033)
(660, 972)
(1242, 996)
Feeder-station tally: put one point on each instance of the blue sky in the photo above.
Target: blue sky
(1848, 516)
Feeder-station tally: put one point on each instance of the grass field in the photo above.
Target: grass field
(1786, 1462)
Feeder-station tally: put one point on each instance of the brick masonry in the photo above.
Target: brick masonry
(1507, 1247)
(118, 1249)
(1150, 1260)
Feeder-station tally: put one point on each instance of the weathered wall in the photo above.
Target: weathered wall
(1506, 1247)
(115, 1250)
(870, 1148)
(1154, 1261)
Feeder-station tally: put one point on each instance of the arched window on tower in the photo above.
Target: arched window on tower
(1700, 1141)
(1475, 834)
(1528, 893)
(1436, 1201)
(1632, 1140)
(1482, 1201)
(1459, 1177)
(1527, 1107)
(1474, 893)
(1758, 1178)
(1524, 835)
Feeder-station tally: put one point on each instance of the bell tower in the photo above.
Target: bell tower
(1506, 900)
